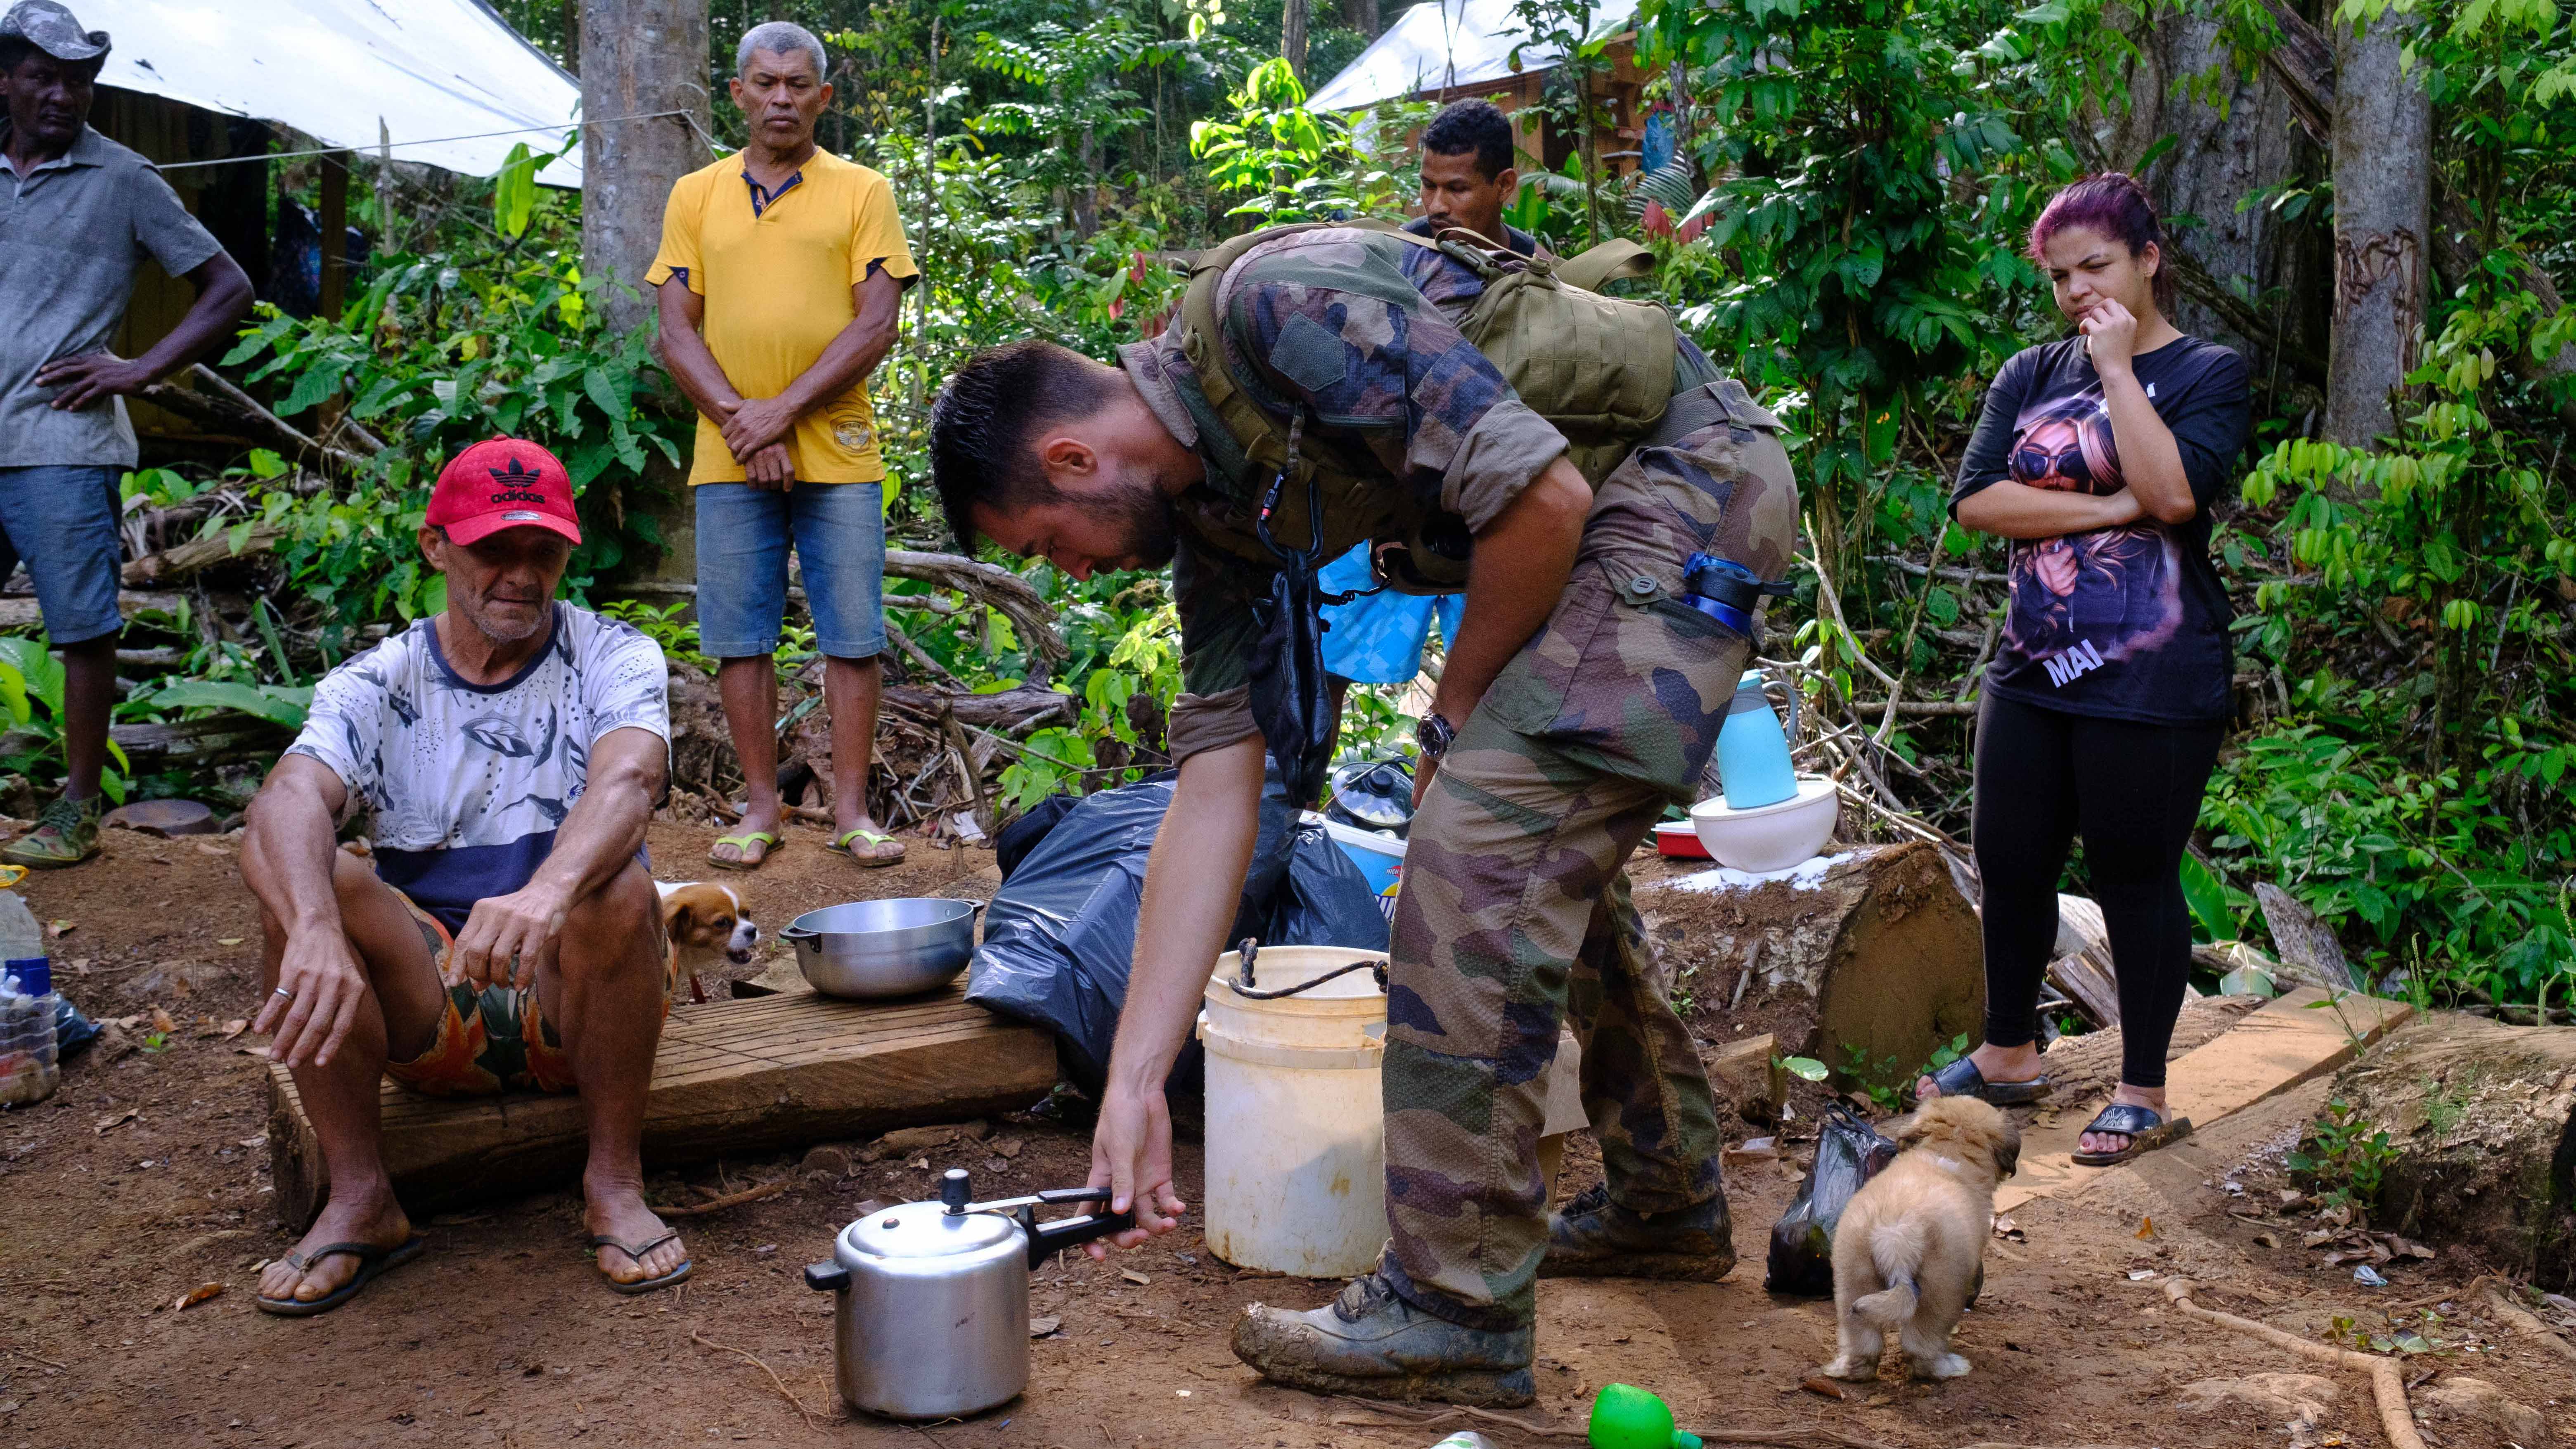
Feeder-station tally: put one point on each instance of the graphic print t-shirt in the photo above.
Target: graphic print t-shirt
(2128, 622)
(469, 782)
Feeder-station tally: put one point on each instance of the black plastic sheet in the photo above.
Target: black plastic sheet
(1060, 935)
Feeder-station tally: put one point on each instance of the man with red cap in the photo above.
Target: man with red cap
(507, 935)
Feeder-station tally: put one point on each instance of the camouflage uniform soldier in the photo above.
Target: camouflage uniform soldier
(1586, 687)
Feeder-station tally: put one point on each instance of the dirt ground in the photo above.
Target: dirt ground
(146, 1177)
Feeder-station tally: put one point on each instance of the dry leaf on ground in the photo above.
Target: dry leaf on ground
(199, 1294)
(114, 1120)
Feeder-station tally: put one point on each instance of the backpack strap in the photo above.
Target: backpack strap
(1613, 260)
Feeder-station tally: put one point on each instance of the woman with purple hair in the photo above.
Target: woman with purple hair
(2099, 456)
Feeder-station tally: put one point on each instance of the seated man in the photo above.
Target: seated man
(511, 749)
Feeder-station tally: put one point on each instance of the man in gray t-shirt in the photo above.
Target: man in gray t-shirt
(78, 214)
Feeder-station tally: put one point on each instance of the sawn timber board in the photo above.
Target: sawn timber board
(2291, 1039)
(731, 1077)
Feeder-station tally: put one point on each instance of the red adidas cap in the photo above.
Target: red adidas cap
(502, 483)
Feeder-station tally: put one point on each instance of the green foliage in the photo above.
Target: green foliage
(2341, 1158)
(439, 352)
(1293, 164)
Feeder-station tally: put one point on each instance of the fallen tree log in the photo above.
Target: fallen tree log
(2483, 1121)
(226, 737)
(217, 403)
(27, 613)
(1029, 612)
(1010, 709)
(200, 554)
(1880, 940)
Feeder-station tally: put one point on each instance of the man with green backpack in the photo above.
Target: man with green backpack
(1614, 512)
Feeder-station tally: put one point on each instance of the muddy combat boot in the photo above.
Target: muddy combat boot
(1371, 1343)
(1596, 1238)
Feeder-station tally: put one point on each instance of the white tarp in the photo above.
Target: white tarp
(1449, 43)
(334, 69)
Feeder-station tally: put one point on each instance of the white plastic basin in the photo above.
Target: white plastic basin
(1770, 837)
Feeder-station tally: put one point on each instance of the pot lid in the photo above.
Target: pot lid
(927, 1230)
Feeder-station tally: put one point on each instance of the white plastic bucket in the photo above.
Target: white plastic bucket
(1296, 1126)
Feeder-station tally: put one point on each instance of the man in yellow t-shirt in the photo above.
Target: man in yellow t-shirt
(778, 283)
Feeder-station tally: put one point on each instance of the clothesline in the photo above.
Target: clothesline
(440, 140)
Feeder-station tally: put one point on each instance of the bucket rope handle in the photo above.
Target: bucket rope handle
(1251, 948)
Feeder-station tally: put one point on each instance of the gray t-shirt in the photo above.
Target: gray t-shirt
(72, 232)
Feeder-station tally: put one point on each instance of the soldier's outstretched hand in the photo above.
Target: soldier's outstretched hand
(1131, 1155)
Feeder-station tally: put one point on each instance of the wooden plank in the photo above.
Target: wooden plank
(2290, 1040)
(731, 1077)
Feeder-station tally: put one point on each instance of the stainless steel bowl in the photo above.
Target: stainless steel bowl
(870, 950)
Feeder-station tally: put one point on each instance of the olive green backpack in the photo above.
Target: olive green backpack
(1599, 368)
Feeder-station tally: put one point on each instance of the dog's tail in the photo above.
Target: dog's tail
(1896, 1250)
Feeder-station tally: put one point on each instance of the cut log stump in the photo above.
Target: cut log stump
(2483, 1120)
(732, 1077)
(1881, 941)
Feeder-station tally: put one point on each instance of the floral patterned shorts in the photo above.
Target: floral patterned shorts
(491, 1040)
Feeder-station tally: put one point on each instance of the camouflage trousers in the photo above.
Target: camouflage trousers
(1515, 912)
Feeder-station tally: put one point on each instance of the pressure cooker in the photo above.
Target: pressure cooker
(930, 1314)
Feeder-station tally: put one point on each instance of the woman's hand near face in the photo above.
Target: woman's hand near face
(2110, 336)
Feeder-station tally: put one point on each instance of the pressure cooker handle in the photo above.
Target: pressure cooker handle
(826, 1277)
(1048, 1239)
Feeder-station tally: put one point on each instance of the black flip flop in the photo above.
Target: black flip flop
(2145, 1130)
(635, 1253)
(373, 1261)
(1962, 1079)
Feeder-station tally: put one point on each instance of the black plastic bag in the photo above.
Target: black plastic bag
(1325, 899)
(1060, 935)
(1290, 698)
(1849, 1152)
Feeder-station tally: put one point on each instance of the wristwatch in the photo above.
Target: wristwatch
(1433, 735)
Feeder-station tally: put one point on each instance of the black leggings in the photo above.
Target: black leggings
(2134, 791)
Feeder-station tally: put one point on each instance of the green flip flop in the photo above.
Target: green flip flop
(373, 1261)
(768, 840)
(841, 845)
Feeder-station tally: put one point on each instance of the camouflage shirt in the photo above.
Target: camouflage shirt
(1355, 329)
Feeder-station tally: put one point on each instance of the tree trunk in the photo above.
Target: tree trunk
(1883, 945)
(2225, 148)
(637, 57)
(2304, 64)
(1361, 15)
(2383, 183)
(2483, 1121)
(1292, 36)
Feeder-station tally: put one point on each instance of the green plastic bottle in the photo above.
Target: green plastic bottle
(1627, 1417)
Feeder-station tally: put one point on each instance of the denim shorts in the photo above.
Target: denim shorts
(1379, 638)
(838, 531)
(61, 519)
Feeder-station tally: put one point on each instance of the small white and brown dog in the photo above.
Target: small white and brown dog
(704, 921)
(1910, 1250)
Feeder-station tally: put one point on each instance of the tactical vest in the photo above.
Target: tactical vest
(1599, 368)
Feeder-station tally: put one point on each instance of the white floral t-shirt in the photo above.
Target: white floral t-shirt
(469, 782)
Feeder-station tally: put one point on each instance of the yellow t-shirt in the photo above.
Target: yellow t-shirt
(777, 288)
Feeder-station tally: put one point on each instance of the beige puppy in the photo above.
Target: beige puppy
(1910, 1250)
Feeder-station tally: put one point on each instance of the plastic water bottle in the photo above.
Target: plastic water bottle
(29, 1070)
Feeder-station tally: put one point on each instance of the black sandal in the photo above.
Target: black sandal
(635, 1254)
(1962, 1079)
(2145, 1130)
(373, 1261)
